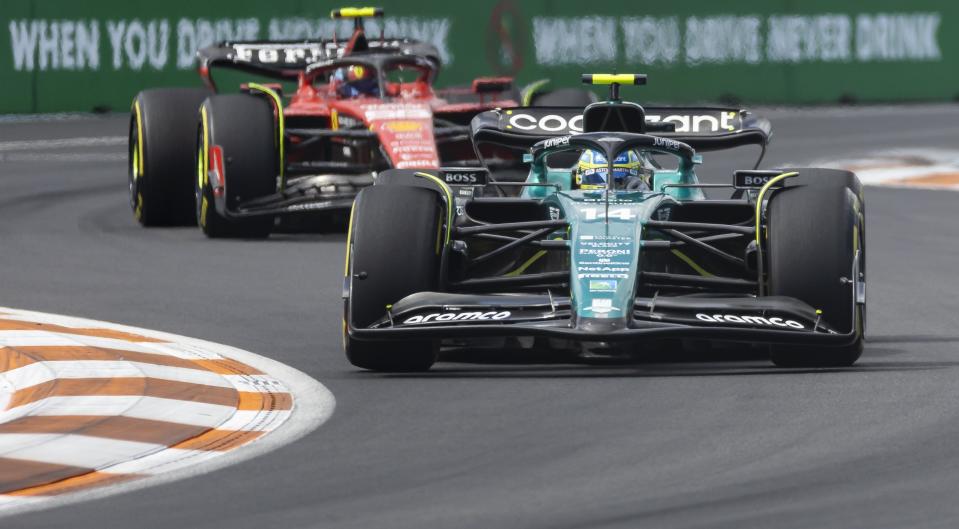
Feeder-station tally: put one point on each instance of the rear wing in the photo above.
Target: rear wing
(703, 128)
(287, 59)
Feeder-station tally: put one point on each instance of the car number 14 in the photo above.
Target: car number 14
(603, 214)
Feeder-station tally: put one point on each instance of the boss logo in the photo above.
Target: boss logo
(755, 179)
(461, 178)
(465, 178)
(750, 320)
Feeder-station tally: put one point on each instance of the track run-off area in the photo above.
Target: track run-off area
(91, 408)
(684, 441)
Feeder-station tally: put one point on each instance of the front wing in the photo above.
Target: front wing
(435, 315)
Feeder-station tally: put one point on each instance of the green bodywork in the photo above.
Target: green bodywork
(606, 236)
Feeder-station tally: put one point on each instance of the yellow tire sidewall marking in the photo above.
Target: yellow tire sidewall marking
(202, 174)
(139, 149)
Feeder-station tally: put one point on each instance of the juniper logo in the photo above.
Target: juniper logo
(750, 320)
(555, 142)
(665, 142)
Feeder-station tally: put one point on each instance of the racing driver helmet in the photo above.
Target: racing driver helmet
(357, 81)
(592, 170)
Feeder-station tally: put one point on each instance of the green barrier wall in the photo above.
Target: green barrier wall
(68, 55)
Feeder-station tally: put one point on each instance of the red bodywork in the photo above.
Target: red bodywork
(330, 143)
(403, 121)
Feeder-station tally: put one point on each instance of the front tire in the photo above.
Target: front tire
(243, 126)
(392, 251)
(162, 125)
(816, 253)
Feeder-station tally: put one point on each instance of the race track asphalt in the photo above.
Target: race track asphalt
(729, 442)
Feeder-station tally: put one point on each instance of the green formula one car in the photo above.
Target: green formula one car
(610, 246)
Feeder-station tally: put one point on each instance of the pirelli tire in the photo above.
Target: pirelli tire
(160, 165)
(243, 126)
(817, 253)
(393, 245)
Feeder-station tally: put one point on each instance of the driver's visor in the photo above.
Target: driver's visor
(594, 175)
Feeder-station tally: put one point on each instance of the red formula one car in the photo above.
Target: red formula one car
(235, 162)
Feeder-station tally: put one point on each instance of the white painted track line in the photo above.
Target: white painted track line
(63, 143)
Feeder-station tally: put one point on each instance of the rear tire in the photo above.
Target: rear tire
(815, 233)
(393, 241)
(243, 126)
(160, 168)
